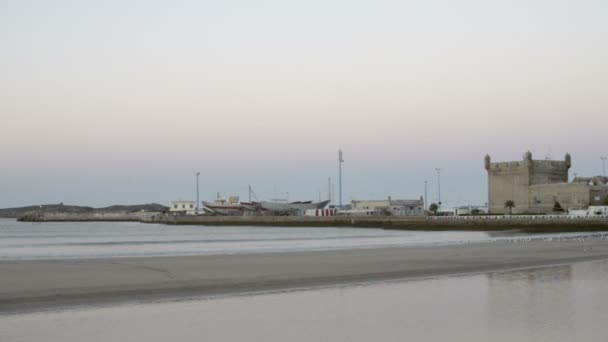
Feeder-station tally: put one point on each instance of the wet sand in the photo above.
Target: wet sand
(44, 284)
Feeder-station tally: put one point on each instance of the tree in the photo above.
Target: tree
(434, 208)
(557, 207)
(386, 212)
(510, 205)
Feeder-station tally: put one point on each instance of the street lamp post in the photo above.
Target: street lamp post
(604, 175)
(197, 198)
(425, 196)
(439, 185)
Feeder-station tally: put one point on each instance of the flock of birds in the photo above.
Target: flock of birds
(562, 237)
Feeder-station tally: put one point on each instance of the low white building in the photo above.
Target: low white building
(183, 207)
(370, 205)
(595, 210)
(389, 206)
(407, 207)
(470, 210)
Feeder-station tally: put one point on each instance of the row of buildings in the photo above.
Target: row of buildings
(526, 186)
(233, 207)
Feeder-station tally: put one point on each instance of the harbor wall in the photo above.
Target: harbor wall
(526, 223)
(480, 223)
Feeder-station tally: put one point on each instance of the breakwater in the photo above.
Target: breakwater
(89, 216)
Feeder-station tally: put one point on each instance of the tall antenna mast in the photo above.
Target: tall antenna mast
(340, 161)
(329, 190)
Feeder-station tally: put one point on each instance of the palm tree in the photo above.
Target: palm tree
(510, 204)
(434, 208)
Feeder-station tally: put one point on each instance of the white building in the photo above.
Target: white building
(370, 205)
(408, 207)
(597, 210)
(389, 206)
(183, 207)
(470, 210)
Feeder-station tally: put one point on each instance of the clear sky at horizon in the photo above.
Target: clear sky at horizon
(105, 102)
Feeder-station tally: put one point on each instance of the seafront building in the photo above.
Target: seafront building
(396, 207)
(183, 207)
(540, 187)
(470, 210)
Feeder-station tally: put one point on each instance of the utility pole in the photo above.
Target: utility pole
(197, 197)
(439, 185)
(340, 161)
(604, 176)
(425, 195)
(249, 193)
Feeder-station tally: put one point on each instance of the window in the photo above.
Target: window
(191, 206)
(175, 206)
(183, 206)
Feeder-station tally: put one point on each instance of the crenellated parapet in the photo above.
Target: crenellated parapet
(511, 181)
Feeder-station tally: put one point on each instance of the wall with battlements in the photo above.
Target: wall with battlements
(569, 195)
(507, 181)
(511, 181)
(548, 172)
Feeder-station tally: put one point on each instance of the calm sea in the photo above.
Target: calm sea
(63, 240)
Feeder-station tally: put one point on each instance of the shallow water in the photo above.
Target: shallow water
(563, 303)
(62, 240)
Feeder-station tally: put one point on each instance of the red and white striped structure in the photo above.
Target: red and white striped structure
(321, 212)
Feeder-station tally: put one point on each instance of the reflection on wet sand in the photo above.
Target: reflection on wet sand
(519, 301)
(562, 303)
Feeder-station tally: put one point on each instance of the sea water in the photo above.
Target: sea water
(73, 240)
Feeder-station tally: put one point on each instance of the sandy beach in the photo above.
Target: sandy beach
(34, 285)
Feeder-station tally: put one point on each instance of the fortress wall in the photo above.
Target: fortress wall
(548, 172)
(598, 195)
(508, 181)
(512, 181)
(569, 195)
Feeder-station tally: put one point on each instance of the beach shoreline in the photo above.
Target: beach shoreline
(47, 284)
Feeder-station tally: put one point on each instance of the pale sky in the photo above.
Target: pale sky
(105, 102)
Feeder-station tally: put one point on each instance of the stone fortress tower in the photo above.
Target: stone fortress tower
(535, 186)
